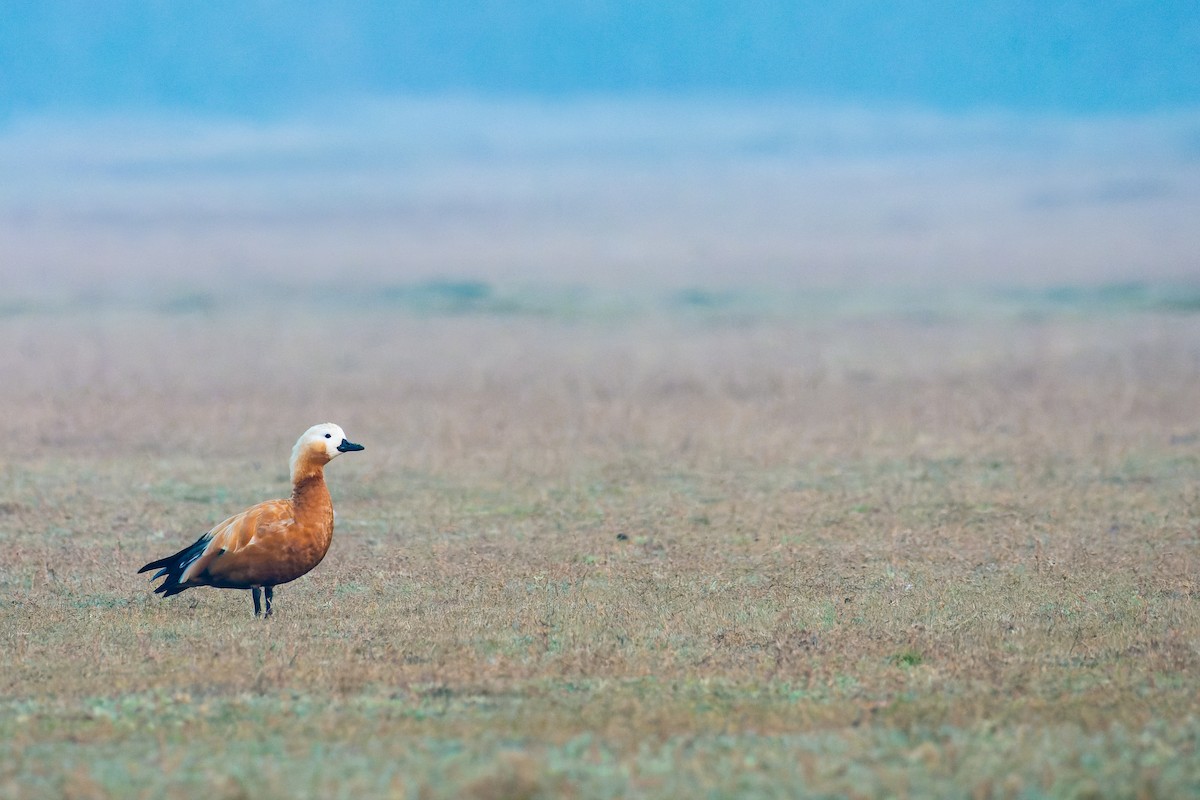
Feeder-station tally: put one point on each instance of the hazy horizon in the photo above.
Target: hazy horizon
(604, 192)
(224, 146)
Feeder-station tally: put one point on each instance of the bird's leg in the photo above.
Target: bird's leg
(269, 592)
(257, 607)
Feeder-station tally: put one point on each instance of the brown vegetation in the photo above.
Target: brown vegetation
(655, 557)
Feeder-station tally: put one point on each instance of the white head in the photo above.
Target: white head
(321, 443)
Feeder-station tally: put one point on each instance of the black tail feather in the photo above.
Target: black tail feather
(173, 567)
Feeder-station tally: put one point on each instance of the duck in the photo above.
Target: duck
(268, 544)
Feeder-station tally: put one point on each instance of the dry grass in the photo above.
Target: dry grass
(645, 558)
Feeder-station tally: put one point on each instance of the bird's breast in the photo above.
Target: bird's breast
(304, 547)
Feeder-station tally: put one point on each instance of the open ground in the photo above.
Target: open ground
(689, 553)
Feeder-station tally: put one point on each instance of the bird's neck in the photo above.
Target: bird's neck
(307, 464)
(309, 492)
(310, 499)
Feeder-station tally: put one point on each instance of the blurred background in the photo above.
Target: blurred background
(194, 153)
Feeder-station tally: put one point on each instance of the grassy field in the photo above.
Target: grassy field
(682, 553)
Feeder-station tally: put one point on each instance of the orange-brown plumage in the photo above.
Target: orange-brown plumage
(271, 543)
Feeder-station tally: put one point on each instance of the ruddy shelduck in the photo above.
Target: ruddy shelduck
(270, 543)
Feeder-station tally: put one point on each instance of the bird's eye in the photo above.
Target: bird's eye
(329, 436)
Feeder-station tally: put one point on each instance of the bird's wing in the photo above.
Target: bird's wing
(238, 536)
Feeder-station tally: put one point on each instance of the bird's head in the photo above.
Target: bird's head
(319, 445)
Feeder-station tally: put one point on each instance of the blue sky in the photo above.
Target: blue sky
(265, 57)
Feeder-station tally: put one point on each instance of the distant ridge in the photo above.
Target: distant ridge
(476, 298)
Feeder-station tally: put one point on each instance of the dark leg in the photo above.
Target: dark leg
(257, 607)
(269, 591)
